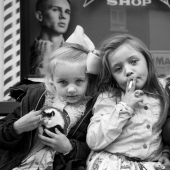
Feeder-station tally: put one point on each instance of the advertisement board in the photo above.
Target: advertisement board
(162, 62)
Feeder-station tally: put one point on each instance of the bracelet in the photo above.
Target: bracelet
(127, 107)
(66, 153)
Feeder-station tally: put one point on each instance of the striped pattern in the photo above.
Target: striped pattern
(11, 44)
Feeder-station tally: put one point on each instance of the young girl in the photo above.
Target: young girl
(69, 88)
(125, 130)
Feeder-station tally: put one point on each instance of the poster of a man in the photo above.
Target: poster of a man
(53, 17)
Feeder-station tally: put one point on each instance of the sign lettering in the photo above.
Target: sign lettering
(129, 2)
(162, 61)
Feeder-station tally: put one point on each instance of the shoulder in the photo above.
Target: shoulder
(105, 97)
(105, 101)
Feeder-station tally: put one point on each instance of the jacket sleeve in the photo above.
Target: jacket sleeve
(107, 122)
(8, 138)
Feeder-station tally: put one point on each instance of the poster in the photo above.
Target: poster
(162, 62)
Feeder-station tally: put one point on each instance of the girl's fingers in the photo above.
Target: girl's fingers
(57, 131)
(138, 93)
(134, 83)
(37, 112)
(39, 118)
(44, 138)
(49, 133)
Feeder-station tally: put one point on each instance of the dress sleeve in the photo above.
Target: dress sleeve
(107, 122)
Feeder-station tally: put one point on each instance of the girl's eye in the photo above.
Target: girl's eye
(133, 62)
(79, 81)
(63, 82)
(119, 69)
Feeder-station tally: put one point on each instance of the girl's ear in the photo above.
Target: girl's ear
(38, 15)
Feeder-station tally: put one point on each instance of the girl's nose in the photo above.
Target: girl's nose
(71, 90)
(129, 73)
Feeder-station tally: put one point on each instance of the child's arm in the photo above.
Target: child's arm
(28, 122)
(8, 137)
(108, 121)
(11, 128)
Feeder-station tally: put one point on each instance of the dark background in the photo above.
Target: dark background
(150, 23)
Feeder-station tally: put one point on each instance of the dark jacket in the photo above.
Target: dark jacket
(32, 97)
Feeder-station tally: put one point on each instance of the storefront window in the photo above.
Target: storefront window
(149, 20)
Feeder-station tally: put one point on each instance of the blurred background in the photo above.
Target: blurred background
(148, 20)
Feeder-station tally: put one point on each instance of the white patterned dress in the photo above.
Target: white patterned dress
(125, 139)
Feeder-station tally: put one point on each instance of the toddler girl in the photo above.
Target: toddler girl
(68, 93)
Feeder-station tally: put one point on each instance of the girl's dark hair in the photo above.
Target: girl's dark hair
(152, 85)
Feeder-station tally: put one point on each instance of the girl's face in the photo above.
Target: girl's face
(126, 63)
(71, 81)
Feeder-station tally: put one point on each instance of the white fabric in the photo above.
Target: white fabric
(93, 62)
(79, 37)
(107, 161)
(114, 128)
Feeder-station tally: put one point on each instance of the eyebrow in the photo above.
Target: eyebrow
(54, 6)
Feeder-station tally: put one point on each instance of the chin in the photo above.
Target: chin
(72, 101)
(61, 30)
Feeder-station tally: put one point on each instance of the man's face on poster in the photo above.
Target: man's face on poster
(56, 16)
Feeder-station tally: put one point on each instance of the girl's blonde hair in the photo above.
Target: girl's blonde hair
(152, 85)
(67, 54)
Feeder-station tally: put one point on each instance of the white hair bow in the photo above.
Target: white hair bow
(93, 61)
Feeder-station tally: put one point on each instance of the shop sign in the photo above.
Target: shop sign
(129, 2)
(162, 61)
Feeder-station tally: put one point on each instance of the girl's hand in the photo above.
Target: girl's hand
(132, 97)
(58, 141)
(164, 159)
(28, 122)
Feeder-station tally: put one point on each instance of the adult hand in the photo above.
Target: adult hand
(28, 122)
(132, 97)
(44, 47)
(58, 141)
